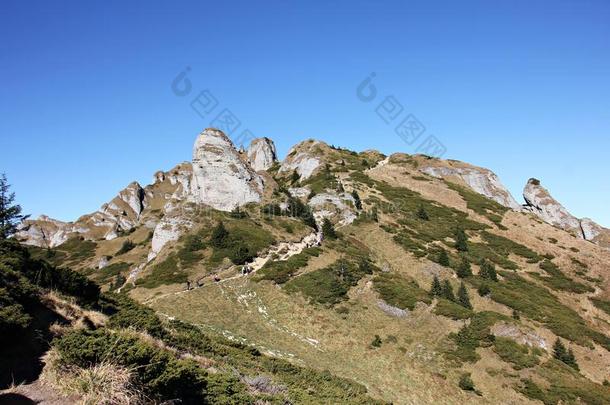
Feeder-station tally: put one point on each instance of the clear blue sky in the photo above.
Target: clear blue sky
(521, 87)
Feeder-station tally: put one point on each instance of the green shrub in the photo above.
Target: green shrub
(399, 292)
(162, 375)
(472, 336)
(452, 310)
(166, 272)
(559, 281)
(519, 356)
(466, 383)
(281, 271)
(538, 304)
(377, 342)
(329, 285)
(126, 313)
(604, 305)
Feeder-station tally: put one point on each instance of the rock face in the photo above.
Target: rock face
(121, 214)
(540, 202)
(261, 154)
(339, 207)
(220, 178)
(483, 181)
(304, 158)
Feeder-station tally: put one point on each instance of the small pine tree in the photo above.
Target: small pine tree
(357, 201)
(564, 355)
(10, 215)
(559, 350)
(443, 258)
(377, 342)
(462, 297)
(464, 269)
(328, 230)
(219, 236)
(461, 240)
(436, 290)
(488, 271)
(466, 383)
(422, 214)
(294, 178)
(448, 291)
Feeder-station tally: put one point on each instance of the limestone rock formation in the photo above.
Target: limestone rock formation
(540, 202)
(221, 179)
(305, 158)
(262, 154)
(339, 207)
(481, 180)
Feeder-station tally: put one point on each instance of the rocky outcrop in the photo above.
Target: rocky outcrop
(305, 158)
(169, 229)
(121, 214)
(519, 334)
(338, 207)
(261, 154)
(540, 202)
(221, 179)
(481, 180)
(43, 232)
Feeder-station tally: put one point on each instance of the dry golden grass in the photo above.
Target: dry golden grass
(104, 383)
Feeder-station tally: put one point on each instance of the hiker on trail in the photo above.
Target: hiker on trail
(188, 285)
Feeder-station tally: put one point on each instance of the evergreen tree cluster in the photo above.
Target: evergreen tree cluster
(445, 290)
(564, 355)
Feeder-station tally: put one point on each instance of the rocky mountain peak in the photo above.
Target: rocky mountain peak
(221, 179)
(261, 154)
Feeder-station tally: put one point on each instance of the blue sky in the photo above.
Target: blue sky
(86, 106)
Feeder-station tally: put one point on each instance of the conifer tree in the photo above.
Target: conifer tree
(462, 298)
(357, 201)
(443, 258)
(436, 290)
(448, 291)
(422, 214)
(564, 355)
(488, 271)
(219, 236)
(461, 240)
(295, 177)
(464, 269)
(10, 214)
(328, 230)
